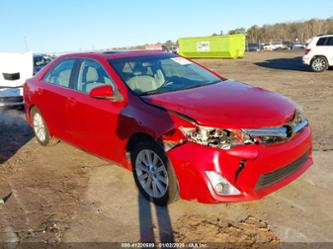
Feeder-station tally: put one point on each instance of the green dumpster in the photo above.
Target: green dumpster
(221, 46)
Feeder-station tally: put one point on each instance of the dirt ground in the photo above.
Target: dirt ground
(61, 194)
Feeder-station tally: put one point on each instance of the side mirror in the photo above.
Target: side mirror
(105, 92)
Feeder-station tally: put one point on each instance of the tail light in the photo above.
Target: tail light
(307, 50)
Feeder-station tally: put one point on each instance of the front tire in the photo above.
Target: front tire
(319, 64)
(40, 129)
(154, 174)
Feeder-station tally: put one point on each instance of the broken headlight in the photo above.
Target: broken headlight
(215, 137)
(279, 134)
(229, 138)
(298, 117)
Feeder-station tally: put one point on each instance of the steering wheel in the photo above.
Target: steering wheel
(165, 83)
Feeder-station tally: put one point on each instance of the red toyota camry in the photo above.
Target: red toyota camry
(182, 129)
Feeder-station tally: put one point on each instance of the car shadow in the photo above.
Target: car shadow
(147, 229)
(293, 64)
(15, 132)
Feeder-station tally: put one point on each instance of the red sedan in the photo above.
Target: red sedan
(182, 129)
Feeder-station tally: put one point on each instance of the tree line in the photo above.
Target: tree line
(288, 31)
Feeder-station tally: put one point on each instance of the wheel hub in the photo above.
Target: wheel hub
(39, 127)
(151, 173)
(319, 64)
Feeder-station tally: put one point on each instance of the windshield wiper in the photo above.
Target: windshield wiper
(162, 90)
(200, 85)
(152, 92)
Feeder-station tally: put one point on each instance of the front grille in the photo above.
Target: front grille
(11, 76)
(16, 99)
(277, 175)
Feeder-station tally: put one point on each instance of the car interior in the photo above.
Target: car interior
(145, 78)
(92, 76)
(63, 78)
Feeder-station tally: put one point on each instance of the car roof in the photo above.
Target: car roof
(114, 54)
(325, 35)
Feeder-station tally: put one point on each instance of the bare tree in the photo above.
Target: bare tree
(289, 31)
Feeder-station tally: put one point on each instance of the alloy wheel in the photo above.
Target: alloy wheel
(39, 127)
(319, 64)
(151, 173)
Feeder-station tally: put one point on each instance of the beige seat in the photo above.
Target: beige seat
(145, 83)
(63, 78)
(142, 83)
(92, 79)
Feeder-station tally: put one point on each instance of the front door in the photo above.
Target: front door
(93, 122)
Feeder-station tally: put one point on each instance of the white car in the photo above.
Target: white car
(319, 53)
(15, 69)
(297, 46)
(276, 45)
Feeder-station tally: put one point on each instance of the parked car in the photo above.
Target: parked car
(40, 61)
(182, 129)
(298, 46)
(252, 47)
(15, 69)
(319, 53)
(276, 45)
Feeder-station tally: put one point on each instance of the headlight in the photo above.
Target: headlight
(215, 137)
(299, 115)
(280, 134)
(228, 138)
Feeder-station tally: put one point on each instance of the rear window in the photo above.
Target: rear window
(60, 75)
(321, 42)
(330, 41)
(325, 41)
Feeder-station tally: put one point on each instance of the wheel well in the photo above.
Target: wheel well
(30, 111)
(31, 108)
(317, 56)
(137, 138)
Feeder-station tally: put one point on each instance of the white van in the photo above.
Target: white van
(319, 53)
(15, 69)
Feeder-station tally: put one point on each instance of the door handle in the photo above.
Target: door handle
(71, 101)
(39, 92)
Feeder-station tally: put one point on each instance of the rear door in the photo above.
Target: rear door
(93, 122)
(325, 47)
(52, 97)
(330, 50)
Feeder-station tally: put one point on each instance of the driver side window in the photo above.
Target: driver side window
(92, 75)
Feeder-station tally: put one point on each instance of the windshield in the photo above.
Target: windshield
(161, 73)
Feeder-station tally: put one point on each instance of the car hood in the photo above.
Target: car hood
(228, 104)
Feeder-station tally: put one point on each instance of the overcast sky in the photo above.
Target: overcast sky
(69, 25)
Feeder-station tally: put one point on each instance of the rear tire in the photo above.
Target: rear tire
(319, 64)
(40, 129)
(153, 173)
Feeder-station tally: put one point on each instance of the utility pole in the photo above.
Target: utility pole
(26, 44)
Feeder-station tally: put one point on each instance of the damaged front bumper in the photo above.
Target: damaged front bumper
(255, 170)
